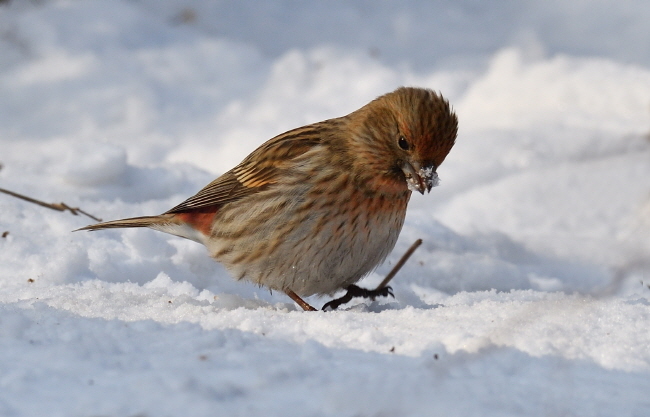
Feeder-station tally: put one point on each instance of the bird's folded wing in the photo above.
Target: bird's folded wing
(259, 170)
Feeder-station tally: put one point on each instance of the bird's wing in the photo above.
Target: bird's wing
(224, 189)
(259, 170)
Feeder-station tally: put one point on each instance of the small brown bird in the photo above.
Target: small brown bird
(315, 209)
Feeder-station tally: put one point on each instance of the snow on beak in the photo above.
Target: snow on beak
(420, 179)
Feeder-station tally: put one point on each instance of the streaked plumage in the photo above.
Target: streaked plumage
(313, 210)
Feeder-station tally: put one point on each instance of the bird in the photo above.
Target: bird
(315, 209)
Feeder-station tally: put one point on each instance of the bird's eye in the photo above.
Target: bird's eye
(403, 143)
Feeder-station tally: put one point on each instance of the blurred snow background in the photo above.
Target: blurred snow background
(528, 297)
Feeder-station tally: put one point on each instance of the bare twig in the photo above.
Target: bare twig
(399, 264)
(53, 206)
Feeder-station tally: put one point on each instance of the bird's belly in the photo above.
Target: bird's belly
(318, 251)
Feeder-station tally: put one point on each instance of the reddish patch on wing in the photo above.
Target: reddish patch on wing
(198, 220)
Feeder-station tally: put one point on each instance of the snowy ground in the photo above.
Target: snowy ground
(530, 295)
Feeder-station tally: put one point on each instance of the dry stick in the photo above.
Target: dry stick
(399, 264)
(53, 206)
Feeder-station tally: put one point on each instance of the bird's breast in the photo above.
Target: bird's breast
(309, 239)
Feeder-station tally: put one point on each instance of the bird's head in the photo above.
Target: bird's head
(404, 137)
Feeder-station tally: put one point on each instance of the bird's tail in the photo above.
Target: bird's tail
(168, 223)
(154, 222)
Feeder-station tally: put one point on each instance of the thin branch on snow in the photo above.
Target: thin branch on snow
(53, 206)
(399, 264)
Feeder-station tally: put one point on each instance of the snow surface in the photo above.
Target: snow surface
(529, 297)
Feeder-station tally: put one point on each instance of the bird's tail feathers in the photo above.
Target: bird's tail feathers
(155, 222)
(168, 223)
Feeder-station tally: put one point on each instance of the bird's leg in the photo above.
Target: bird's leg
(302, 303)
(354, 292)
(382, 290)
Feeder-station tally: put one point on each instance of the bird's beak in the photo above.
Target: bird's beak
(420, 179)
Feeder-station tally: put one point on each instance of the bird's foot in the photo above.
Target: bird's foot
(354, 292)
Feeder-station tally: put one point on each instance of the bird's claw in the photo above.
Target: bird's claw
(355, 291)
(386, 291)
